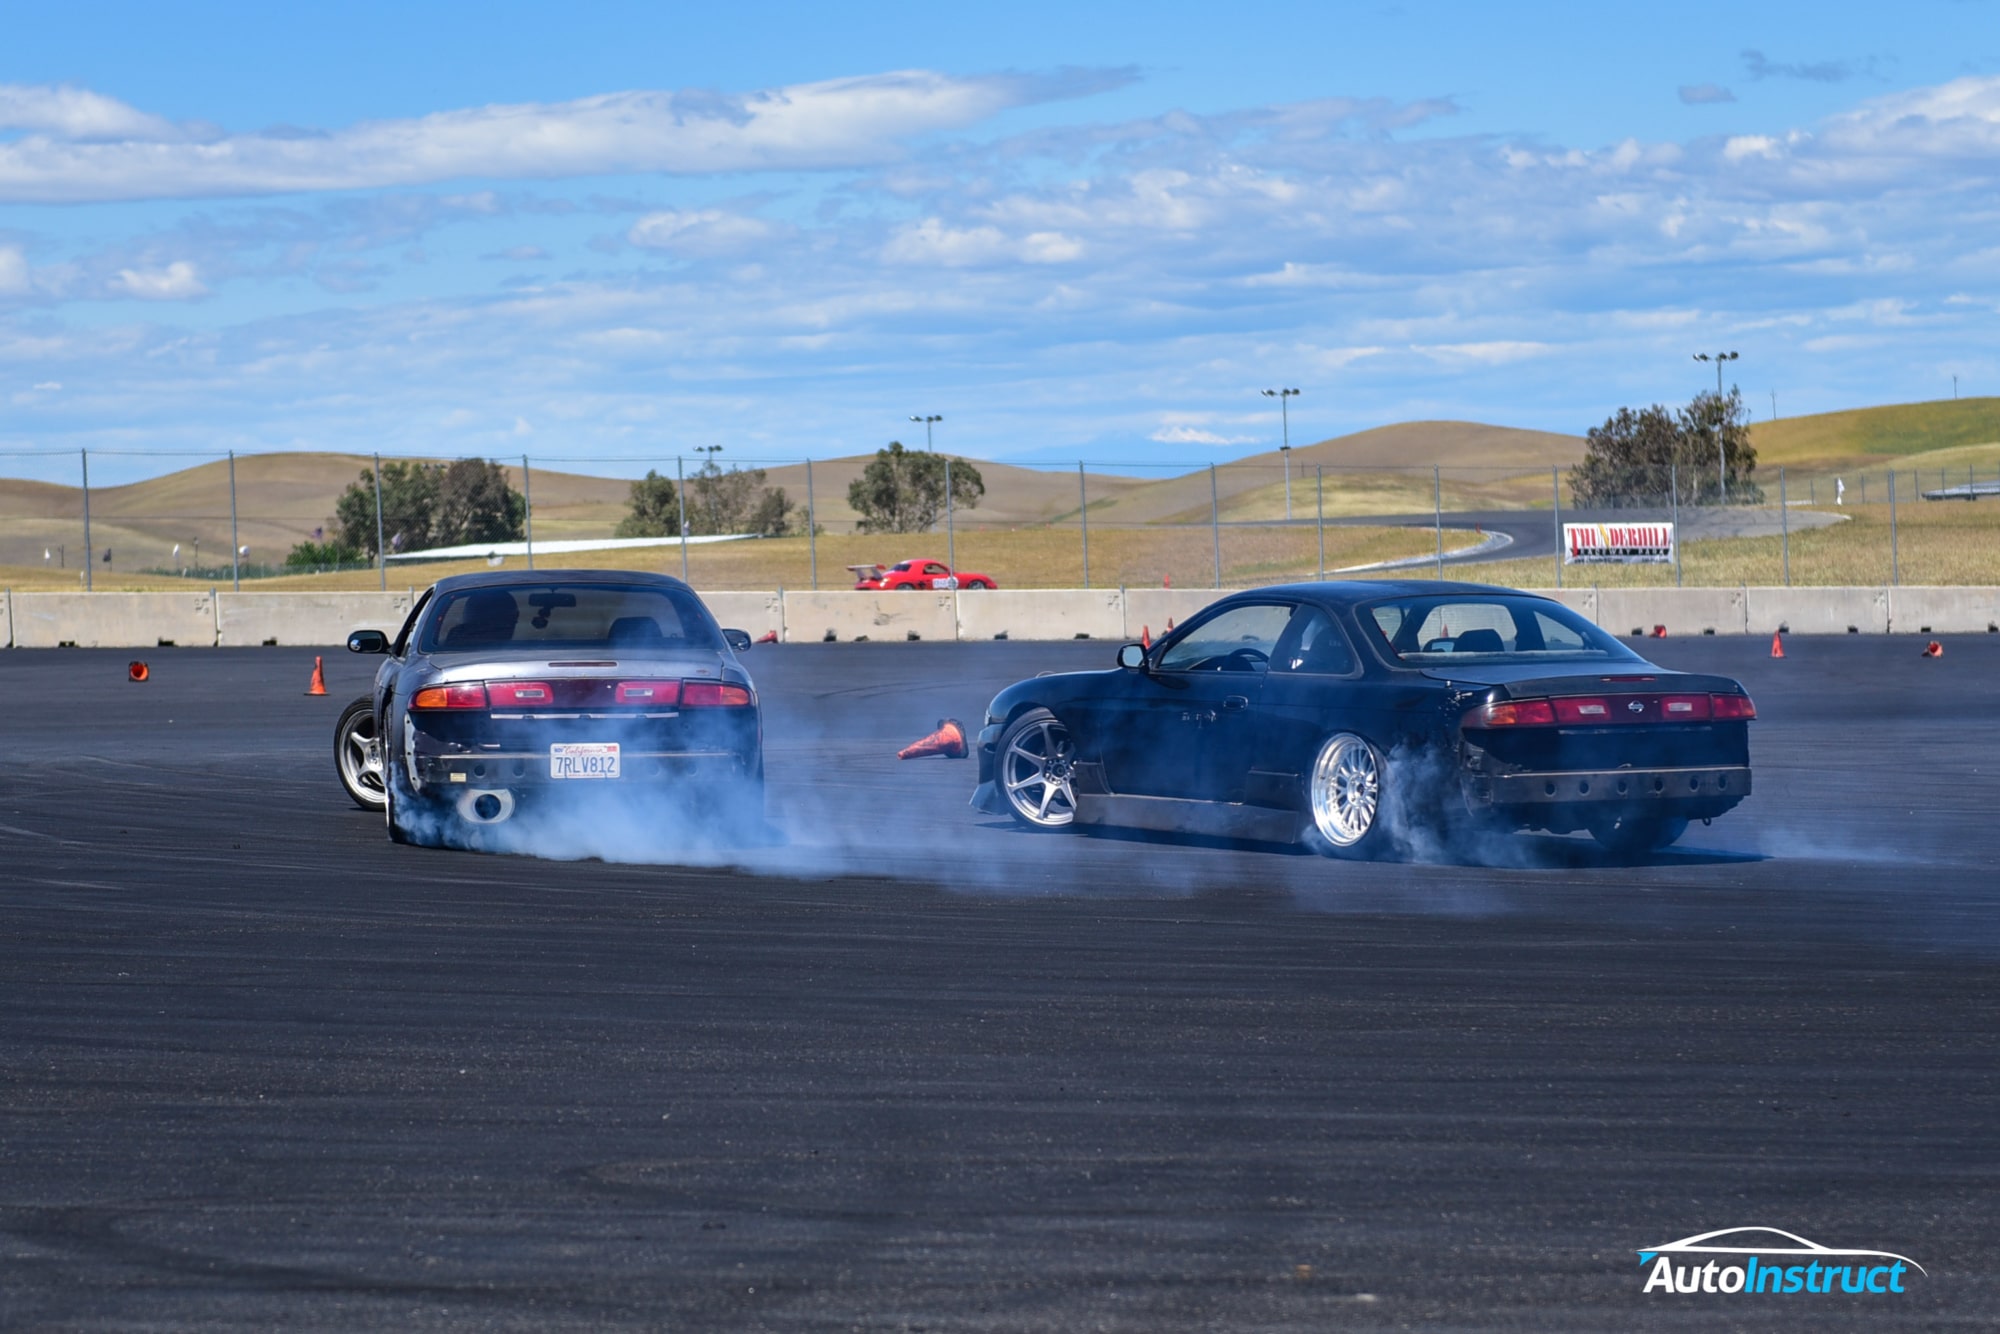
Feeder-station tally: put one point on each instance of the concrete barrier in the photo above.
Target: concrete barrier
(1684, 611)
(1817, 611)
(812, 618)
(1026, 613)
(757, 614)
(245, 620)
(113, 620)
(1581, 600)
(1944, 611)
(6, 618)
(1152, 608)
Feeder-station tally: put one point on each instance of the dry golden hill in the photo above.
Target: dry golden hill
(1861, 436)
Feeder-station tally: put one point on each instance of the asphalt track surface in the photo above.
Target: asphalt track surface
(266, 1070)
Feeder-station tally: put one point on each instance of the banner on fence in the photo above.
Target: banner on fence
(1621, 542)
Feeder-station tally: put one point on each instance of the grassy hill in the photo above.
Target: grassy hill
(1861, 436)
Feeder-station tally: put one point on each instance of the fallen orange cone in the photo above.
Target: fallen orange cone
(318, 686)
(1777, 645)
(1659, 632)
(1934, 649)
(139, 671)
(770, 637)
(948, 741)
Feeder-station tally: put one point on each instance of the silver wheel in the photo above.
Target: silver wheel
(1346, 790)
(357, 755)
(1036, 760)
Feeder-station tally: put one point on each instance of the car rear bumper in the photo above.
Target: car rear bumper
(986, 796)
(1693, 793)
(516, 770)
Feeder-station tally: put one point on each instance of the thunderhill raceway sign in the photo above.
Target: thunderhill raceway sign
(1624, 543)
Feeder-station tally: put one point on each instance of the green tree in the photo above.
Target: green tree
(409, 499)
(475, 504)
(773, 515)
(902, 490)
(1654, 457)
(330, 553)
(654, 510)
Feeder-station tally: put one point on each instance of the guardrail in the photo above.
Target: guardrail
(227, 619)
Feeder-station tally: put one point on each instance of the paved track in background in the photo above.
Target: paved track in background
(923, 1071)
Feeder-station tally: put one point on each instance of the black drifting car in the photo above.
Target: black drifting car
(504, 691)
(1354, 717)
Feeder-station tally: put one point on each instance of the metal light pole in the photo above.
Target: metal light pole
(528, 509)
(812, 528)
(1215, 523)
(1721, 463)
(89, 552)
(1284, 396)
(680, 471)
(950, 523)
(1319, 500)
(1437, 503)
(235, 543)
(927, 428)
(1556, 490)
(1083, 517)
(381, 551)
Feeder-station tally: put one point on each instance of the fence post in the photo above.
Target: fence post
(89, 551)
(528, 510)
(1895, 559)
(381, 551)
(812, 528)
(1674, 481)
(1556, 490)
(1437, 508)
(1215, 522)
(1785, 525)
(1083, 517)
(681, 492)
(950, 530)
(235, 543)
(1319, 500)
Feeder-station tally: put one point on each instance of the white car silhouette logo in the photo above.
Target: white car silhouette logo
(1800, 1247)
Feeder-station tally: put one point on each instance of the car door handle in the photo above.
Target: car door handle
(1235, 702)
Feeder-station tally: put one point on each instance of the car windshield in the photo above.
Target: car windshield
(568, 616)
(1455, 628)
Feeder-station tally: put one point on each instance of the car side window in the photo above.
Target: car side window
(410, 623)
(1241, 639)
(1556, 636)
(1315, 645)
(935, 568)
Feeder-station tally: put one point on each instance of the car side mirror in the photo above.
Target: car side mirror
(738, 640)
(368, 641)
(1132, 657)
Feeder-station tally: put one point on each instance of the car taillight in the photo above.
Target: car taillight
(660, 693)
(1733, 707)
(714, 695)
(1582, 710)
(451, 697)
(1513, 713)
(521, 694)
(1686, 708)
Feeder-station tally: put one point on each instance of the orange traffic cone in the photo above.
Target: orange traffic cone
(318, 686)
(139, 671)
(1659, 632)
(1166, 581)
(1777, 645)
(1146, 637)
(948, 741)
(770, 637)
(1170, 625)
(1934, 649)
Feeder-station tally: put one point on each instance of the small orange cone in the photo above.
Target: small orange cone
(1777, 645)
(1146, 637)
(1934, 649)
(770, 637)
(1170, 625)
(139, 671)
(1166, 581)
(948, 741)
(318, 686)
(1659, 632)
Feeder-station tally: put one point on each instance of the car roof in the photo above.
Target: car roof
(1351, 592)
(513, 578)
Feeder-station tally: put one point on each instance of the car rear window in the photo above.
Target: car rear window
(568, 616)
(1454, 628)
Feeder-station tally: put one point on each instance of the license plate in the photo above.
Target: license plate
(583, 759)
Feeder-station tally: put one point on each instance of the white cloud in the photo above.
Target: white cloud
(77, 113)
(933, 242)
(519, 254)
(1499, 353)
(176, 282)
(1192, 435)
(13, 271)
(834, 123)
(692, 233)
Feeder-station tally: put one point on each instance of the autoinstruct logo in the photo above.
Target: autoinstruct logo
(1731, 1261)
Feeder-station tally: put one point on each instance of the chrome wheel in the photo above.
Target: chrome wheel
(1036, 761)
(1346, 790)
(357, 755)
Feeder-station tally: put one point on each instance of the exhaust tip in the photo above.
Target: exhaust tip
(485, 805)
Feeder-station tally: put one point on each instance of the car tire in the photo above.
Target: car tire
(1347, 799)
(1032, 767)
(1630, 835)
(357, 755)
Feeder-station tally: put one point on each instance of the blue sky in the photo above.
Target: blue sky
(1077, 231)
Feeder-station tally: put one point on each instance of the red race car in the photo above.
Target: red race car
(914, 574)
